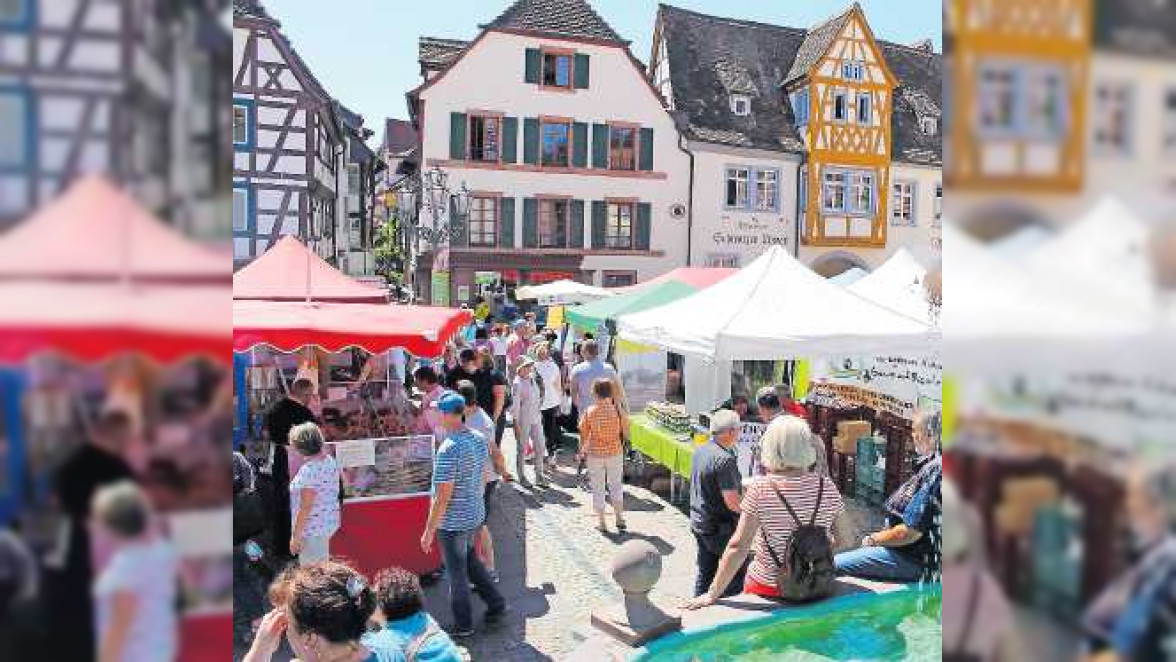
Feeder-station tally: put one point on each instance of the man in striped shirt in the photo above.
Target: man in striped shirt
(458, 511)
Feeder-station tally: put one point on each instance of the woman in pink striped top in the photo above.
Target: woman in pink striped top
(786, 451)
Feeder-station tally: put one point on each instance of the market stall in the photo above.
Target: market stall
(1057, 401)
(107, 321)
(561, 293)
(376, 435)
(774, 309)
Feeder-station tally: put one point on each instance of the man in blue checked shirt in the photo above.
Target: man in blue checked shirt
(457, 512)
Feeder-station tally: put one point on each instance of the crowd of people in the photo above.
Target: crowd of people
(784, 533)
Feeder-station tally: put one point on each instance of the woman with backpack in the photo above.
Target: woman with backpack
(787, 523)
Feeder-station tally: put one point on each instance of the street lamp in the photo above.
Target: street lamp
(435, 194)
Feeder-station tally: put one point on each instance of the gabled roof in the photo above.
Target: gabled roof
(1136, 27)
(436, 53)
(559, 18)
(712, 56)
(399, 136)
(815, 44)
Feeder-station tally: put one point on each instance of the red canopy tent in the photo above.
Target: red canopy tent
(93, 275)
(288, 326)
(289, 271)
(96, 233)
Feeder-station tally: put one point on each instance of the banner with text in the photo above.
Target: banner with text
(896, 384)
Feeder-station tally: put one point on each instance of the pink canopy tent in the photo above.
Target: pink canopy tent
(289, 270)
(96, 233)
(697, 277)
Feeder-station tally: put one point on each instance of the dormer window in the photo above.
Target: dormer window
(929, 125)
(740, 104)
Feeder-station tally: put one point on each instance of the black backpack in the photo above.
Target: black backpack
(806, 572)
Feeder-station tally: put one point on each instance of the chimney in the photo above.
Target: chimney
(924, 45)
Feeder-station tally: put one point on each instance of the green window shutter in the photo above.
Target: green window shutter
(641, 235)
(510, 139)
(580, 145)
(457, 236)
(646, 162)
(531, 140)
(534, 61)
(600, 146)
(599, 218)
(457, 136)
(530, 223)
(576, 229)
(506, 223)
(580, 78)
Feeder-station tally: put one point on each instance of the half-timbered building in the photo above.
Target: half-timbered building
(1057, 103)
(825, 140)
(90, 86)
(574, 164)
(356, 199)
(289, 143)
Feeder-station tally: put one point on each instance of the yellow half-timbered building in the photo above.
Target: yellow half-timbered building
(825, 139)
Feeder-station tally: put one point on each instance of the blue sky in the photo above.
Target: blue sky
(365, 51)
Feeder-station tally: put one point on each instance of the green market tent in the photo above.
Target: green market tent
(590, 316)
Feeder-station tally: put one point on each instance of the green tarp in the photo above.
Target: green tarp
(591, 316)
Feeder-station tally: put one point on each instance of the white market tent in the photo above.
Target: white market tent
(897, 285)
(562, 293)
(773, 309)
(849, 276)
(1106, 249)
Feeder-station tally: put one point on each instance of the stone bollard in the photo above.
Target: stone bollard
(636, 568)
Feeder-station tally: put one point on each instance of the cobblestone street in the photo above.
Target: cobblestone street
(554, 564)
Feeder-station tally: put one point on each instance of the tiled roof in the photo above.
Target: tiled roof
(711, 56)
(707, 55)
(1136, 27)
(399, 136)
(815, 43)
(250, 9)
(438, 53)
(561, 18)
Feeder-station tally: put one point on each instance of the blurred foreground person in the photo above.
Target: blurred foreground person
(1135, 617)
(977, 618)
(136, 592)
(22, 624)
(406, 624)
(323, 610)
(94, 465)
(905, 551)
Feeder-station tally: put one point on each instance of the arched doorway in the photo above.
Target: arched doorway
(837, 263)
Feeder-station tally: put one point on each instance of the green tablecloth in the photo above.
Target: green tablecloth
(660, 445)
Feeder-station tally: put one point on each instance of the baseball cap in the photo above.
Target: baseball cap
(524, 361)
(767, 397)
(451, 403)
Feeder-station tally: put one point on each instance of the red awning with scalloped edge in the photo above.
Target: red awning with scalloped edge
(93, 322)
(288, 326)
